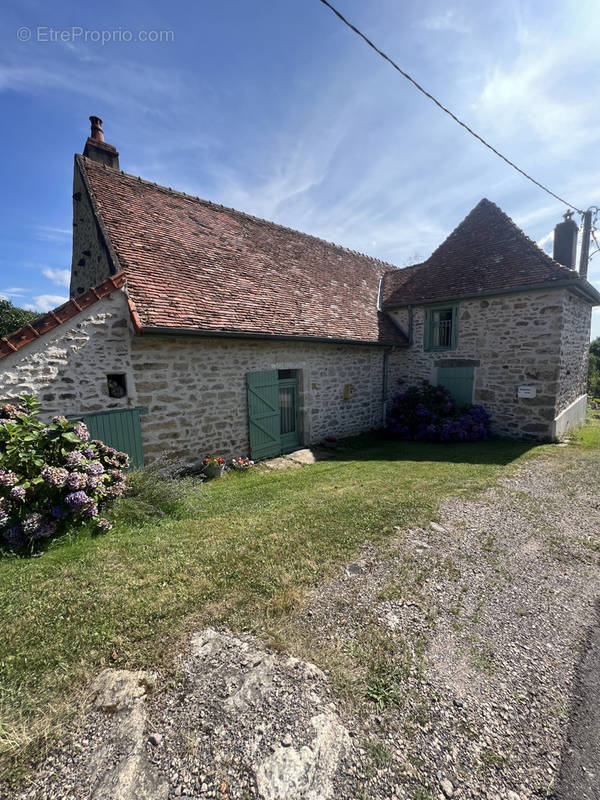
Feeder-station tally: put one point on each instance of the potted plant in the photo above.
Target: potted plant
(214, 466)
(241, 464)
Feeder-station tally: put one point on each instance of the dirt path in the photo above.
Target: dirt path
(460, 661)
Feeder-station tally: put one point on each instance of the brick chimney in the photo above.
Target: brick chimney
(96, 148)
(565, 241)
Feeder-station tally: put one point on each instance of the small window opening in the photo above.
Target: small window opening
(282, 374)
(117, 385)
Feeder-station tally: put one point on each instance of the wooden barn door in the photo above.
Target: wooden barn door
(264, 414)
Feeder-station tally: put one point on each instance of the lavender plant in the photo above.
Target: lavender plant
(52, 475)
(429, 413)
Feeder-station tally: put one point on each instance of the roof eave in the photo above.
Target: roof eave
(157, 330)
(578, 285)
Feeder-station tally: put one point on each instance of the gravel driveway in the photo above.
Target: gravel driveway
(491, 612)
(460, 661)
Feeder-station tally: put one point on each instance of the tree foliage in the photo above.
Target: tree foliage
(594, 369)
(12, 317)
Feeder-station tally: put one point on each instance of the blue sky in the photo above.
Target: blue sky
(275, 108)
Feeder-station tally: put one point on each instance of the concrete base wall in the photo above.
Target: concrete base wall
(571, 417)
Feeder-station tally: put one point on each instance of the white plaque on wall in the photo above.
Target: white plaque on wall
(526, 390)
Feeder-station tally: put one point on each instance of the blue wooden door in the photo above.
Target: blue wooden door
(460, 382)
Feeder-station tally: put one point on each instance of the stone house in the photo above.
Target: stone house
(194, 328)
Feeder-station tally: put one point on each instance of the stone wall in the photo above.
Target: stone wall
(195, 391)
(67, 367)
(510, 340)
(90, 264)
(574, 350)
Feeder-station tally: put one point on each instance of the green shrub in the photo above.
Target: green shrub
(51, 475)
(161, 489)
(428, 413)
(593, 386)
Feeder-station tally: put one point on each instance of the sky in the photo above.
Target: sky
(275, 108)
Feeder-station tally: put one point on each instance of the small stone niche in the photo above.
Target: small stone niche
(117, 384)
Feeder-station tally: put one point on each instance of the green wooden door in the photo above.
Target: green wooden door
(288, 414)
(264, 414)
(460, 382)
(119, 429)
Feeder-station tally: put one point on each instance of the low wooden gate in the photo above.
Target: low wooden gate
(120, 429)
(460, 382)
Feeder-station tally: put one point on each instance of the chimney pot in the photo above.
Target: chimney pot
(565, 241)
(97, 132)
(97, 149)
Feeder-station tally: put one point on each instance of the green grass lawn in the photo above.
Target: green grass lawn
(126, 599)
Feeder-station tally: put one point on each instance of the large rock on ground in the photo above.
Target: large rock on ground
(119, 767)
(257, 723)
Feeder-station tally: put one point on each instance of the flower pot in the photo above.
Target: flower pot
(214, 471)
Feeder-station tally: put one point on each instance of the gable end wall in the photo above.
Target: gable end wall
(66, 369)
(91, 263)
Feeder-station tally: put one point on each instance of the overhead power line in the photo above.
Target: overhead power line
(443, 108)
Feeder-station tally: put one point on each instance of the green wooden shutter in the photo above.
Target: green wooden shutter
(460, 382)
(427, 330)
(263, 414)
(119, 429)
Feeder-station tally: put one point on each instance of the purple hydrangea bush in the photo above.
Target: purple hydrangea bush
(52, 475)
(428, 413)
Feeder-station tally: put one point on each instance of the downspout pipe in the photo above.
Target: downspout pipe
(384, 384)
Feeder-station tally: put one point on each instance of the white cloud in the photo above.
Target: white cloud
(61, 277)
(46, 233)
(13, 292)
(546, 242)
(448, 21)
(537, 92)
(46, 302)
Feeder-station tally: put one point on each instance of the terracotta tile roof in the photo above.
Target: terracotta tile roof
(48, 322)
(194, 265)
(486, 253)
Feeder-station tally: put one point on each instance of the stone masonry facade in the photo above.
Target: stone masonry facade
(536, 338)
(195, 387)
(67, 368)
(195, 391)
(574, 350)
